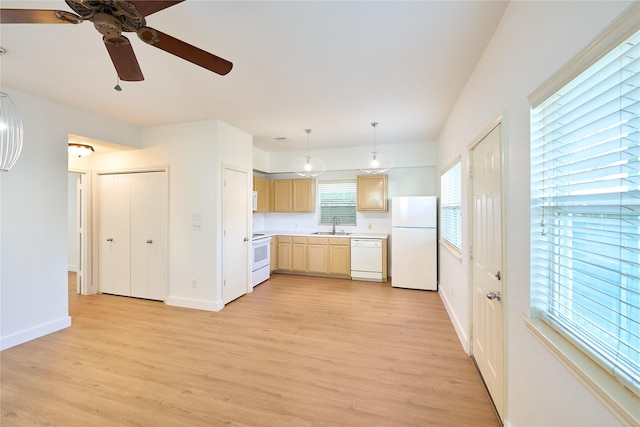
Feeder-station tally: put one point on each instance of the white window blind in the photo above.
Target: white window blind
(337, 200)
(585, 189)
(450, 206)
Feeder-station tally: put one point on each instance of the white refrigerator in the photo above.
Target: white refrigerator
(414, 234)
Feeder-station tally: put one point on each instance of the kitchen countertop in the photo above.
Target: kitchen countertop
(354, 235)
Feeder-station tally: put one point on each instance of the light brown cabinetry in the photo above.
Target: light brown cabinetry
(261, 186)
(317, 251)
(339, 257)
(299, 254)
(273, 262)
(284, 253)
(314, 255)
(372, 193)
(294, 195)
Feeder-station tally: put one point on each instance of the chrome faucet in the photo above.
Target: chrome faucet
(335, 222)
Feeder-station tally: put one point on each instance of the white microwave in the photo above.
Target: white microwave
(254, 200)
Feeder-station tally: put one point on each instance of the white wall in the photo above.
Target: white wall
(337, 159)
(73, 250)
(195, 154)
(533, 40)
(33, 217)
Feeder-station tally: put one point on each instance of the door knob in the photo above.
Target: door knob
(149, 241)
(494, 295)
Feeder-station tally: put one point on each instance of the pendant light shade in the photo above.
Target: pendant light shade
(308, 166)
(80, 150)
(10, 133)
(375, 161)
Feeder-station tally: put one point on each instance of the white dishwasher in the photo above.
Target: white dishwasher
(366, 259)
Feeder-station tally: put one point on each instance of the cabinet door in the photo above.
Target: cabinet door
(148, 235)
(340, 258)
(299, 254)
(372, 193)
(318, 255)
(114, 234)
(284, 253)
(273, 247)
(282, 200)
(261, 186)
(303, 191)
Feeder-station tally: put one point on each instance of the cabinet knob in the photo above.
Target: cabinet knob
(149, 241)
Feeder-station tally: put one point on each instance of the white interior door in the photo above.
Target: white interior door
(114, 234)
(486, 253)
(235, 234)
(148, 235)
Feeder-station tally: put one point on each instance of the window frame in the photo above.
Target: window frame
(454, 247)
(601, 382)
(355, 196)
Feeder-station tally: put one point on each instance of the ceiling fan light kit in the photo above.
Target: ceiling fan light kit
(308, 166)
(11, 134)
(111, 19)
(80, 150)
(375, 162)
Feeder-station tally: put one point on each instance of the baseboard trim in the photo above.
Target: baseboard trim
(197, 304)
(460, 331)
(34, 333)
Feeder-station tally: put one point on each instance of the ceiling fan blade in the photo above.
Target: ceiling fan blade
(147, 7)
(37, 16)
(185, 50)
(124, 60)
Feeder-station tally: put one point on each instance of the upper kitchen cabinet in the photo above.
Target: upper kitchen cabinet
(372, 193)
(262, 187)
(294, 195)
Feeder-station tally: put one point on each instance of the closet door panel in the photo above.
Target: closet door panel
(148, 235)
(115, 234)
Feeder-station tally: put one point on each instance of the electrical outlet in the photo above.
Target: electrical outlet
(370, 226)
(194, 283)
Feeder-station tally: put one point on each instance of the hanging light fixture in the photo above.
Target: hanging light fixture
(10, 133)
(308, 166)
(375, 161)
(80, 150)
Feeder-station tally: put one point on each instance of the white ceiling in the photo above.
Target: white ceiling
(330, 66)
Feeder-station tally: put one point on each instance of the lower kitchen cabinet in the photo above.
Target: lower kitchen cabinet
(314, 255)
(299, 254)
(340, 257)
(317, 254)
(284, 253)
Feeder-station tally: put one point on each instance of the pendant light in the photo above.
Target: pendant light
(375, 161)
(80, 150)
(10, 133)
(308, 166)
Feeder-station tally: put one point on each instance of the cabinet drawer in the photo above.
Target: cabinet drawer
(339, 241)
(284, 239)
(297, 239)
(318, 241)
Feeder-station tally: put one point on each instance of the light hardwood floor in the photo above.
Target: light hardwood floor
(298, 351)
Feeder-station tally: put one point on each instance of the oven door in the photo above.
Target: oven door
(261, 261)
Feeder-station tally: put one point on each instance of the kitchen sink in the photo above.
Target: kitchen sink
(331, 233)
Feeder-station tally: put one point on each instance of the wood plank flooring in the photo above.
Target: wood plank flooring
(298, 351)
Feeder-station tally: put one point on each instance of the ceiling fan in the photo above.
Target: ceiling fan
(113, 17)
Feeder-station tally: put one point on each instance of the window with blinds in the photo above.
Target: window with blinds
(585, 190)
(450, 206)
(337, 199)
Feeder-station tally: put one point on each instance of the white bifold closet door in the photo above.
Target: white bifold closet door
(133, 222)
